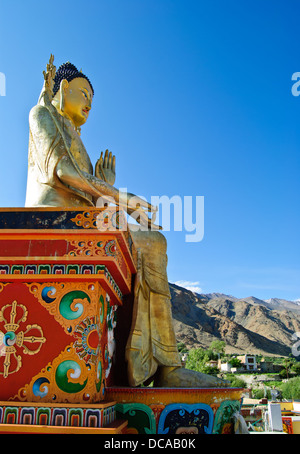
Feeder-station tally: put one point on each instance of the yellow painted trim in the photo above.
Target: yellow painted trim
(113, 428)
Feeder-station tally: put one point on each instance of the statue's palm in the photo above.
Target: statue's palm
(106, 168)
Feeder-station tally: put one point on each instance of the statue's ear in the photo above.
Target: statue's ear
(63, 85)
(62, 89)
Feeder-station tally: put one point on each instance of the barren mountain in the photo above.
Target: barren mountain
(246, 325)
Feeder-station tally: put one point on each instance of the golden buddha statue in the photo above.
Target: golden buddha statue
(60, 174)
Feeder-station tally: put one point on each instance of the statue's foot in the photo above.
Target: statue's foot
(171, 377)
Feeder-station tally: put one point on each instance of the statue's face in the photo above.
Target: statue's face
(78, 98)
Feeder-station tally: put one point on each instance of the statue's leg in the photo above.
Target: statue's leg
(151, 347)
(152, 341)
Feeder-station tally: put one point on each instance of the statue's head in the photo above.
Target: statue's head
(72, 93)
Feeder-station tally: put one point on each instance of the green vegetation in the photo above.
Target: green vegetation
(291, 388)
(236, 382)
(235, 362)
(198, 360)
(288, 382)
(182, 347)
(218, 347)
(261, 393)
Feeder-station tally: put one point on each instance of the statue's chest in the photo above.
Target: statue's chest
(78, 151)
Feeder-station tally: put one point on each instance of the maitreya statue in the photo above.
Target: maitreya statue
(60, 174)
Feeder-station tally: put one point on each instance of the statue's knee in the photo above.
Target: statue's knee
(150, 239)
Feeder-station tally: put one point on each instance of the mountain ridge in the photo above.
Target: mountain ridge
(246, 325)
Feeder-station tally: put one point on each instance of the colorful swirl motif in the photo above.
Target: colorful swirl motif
(72, 304)
(69, 370)
(39, 387)
(78, 373)
(65, 379)
(68, 302)
(46, 292)
(9, 339)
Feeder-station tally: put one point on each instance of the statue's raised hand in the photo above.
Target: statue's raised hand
(105, 168)
(49, 74)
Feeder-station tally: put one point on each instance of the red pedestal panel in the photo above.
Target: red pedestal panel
(63, 273)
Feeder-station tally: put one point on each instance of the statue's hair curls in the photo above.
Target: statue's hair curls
(69, 72)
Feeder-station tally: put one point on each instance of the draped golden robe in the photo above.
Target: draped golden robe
(152, 341)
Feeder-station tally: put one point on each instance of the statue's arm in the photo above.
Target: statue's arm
(45, 134)
(98, 188)
(43, 129)
(84, 181)
(51, 146)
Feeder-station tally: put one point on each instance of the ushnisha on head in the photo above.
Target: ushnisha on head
(72, 94)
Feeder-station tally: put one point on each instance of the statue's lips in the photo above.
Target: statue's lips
(86, 112)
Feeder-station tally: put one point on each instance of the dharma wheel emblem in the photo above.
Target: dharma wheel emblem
(13, 341)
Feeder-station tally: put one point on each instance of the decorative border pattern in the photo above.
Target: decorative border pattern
(177, 410)
(59, 269)
(57, 416)
(110, 219)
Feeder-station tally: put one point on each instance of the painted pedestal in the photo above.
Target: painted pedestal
(63, 273)
(178, 410)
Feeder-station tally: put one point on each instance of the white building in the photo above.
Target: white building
(248, 362)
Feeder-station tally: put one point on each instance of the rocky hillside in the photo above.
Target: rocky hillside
(248, 325)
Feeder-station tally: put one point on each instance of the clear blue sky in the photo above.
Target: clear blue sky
(194, 98)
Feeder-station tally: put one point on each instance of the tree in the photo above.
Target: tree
(286, 371)
(296, 368)
(198, 359)
(218, 347)
(235, 362)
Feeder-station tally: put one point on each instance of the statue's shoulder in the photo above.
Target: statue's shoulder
(39, 112)
(40, 117)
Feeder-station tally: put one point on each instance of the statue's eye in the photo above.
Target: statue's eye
(85, 95)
